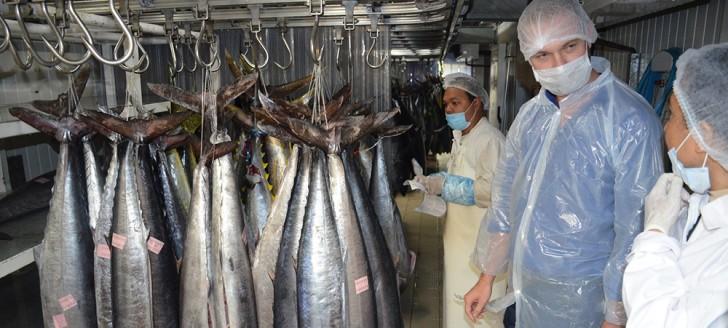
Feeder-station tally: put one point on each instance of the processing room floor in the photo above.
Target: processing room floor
(422, 300)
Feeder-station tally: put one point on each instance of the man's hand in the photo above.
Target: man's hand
(608, 324)
(433, 183)
(478, 297)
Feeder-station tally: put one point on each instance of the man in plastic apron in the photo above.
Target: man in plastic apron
(466, 189)
(568, 195)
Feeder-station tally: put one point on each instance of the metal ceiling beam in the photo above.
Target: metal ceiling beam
(292, 9)
(454, 18)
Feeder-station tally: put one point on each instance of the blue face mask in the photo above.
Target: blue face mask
(457, 121)
(697, 178)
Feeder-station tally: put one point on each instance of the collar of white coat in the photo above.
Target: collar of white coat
(458, 135)
(715, 213)
(601, 66)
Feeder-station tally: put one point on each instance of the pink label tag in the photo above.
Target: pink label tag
(154, 245)
(42, 180)
(118, 241)
(67, 302)
(103, 251)
(361, 285)
(59, 321)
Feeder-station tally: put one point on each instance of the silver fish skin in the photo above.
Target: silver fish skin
(365, 161)
(320, 269)
(388, 214)
(163, 267)
(131, 274)
(93, 181)
(285, 311)
(175, 215)
(196, 284)
(232, 291)
(65, 264)
(264, 266)
(277, 154)
(359, 304)
(181, 183)
(102, 242)
(384, 276)
(259, 200)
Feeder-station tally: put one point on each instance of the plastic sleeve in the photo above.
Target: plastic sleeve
(459, 190)
(638, 164)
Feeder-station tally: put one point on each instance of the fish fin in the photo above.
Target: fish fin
(295, 264)
(61, 129)
(183, 98)
(213, 152)
(228, 93)
(393, 131)
(139, 131)
(52, 107)
(172, 141)
(283, 90)
(81, 79)
(234, 68)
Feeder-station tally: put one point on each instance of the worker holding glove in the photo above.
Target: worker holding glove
(677, 271)
(466, 189)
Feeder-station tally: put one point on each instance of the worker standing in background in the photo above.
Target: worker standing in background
(677, 274)
(466, 189)
(568, 194)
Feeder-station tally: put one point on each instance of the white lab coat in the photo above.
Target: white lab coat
(475, 156)
(670, 282)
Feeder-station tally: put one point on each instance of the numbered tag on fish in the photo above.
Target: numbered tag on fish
(154, 245)
(59, 321)
(103, 251)
(118, 241)
(361, 285)
(67, 302)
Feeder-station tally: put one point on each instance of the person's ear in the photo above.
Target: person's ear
(707, 133)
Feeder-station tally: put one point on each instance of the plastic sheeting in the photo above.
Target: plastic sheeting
(567, 201)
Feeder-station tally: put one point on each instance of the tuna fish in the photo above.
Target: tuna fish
(264, 266)
(320, 277)
(233, 285)
(285, 301)
(65, 260)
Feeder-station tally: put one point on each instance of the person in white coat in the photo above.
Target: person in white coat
(677, 274)
(466, 188)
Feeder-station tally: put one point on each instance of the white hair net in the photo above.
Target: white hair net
(700, 86)
(468, 84)
(546, 21)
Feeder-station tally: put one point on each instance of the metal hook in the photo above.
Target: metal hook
(86, 56)
(126, 35)
(369, 52)
(197, 48)
(24, 65)
(288, 49)
(6, 39)
(143, 59)
(188, 42)
(265, 52)
(338, 42)
(315, 55)
(25, 36)
(173, 52)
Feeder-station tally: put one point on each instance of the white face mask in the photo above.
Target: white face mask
(567, 78)
(697, 178)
